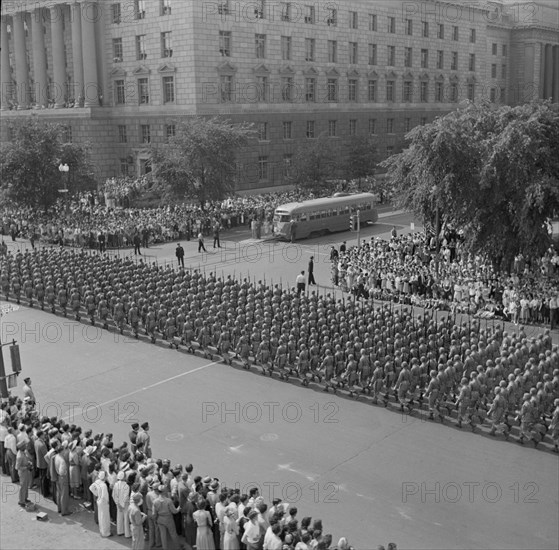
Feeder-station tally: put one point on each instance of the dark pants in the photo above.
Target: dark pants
(216, 242)
(2, 458)
(137, 249)
(311, 279)
(300, 288)
(43, 482)
(201, 246)
(181, 260)
(554, 317)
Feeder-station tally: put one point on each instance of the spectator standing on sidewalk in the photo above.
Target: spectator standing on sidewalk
(137, 243)
(554, 310)
(216, 235)
(300, 280)
(201, 242)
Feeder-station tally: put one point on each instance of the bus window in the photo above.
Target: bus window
(312, 216)
(282, 218)
(324, 214)
(303, 217)
(334, 212)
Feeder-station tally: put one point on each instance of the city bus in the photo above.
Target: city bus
(322, 216)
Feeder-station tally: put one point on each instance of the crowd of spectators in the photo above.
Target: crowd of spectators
(410, 269)
(142, 498)
(81, 221)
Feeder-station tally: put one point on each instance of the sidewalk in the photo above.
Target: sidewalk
(20, 528)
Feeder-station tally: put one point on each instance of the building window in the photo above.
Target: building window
(120, 95)
(494, 47)
(389, 125)
(309, 15)
(262, 131)
(454, 61)
(287, 88)
(471, 92)
(116, 13)
(143, 91)
(117, 50)
(353, 20)
(472, 65)
(141, 52)
(373, 54)
(455, 33)
(332, 89)
(372, 91)
(390, 91)
(332, 128)
(165, 7)
(505, 50)
(424, 91)
(503, 72)
(409, 27)
(408, 56)
(139, 9)
(425, 29)
(440, 31)
(310, 129)
(440, 59)
(225, 43)
(352, 126)
(373, 19)
(473, 36)
(454, 92)
(309, 49)
(407, 125)
(353, 53)
(124, 167)
(262, 88)
(502, 97)
(287, 163)
(423, 120)
(332, 51)
(122, 135)
(168, 89)
(424, 59)
(352, 90)
(407, 91)
(391, 55)
(287, 129)
(310, 90)
(493, 95)
(439, 92)
(286, 48)
(166, 44)
(285, 11)
(494, 70)
(259, 9)
(332, 17)
(391, 25)
(226, 88)
(146, 133)
(263, 168)
(260, 45)
(372, 126)
(170, 131)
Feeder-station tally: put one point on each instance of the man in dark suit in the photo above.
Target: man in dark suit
(179, 253)
(311, 271)
(137, 243)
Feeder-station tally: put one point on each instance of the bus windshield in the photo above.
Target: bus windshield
(282, 218)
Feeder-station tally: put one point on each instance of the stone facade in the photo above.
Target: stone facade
(122, 73)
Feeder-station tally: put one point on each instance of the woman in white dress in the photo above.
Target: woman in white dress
(101, 493)
(231, 536)
(203, 519)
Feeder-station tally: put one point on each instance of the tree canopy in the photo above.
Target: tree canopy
(361, 158)
(491, 172)
(29, 164)
(315, 162)
(199, 160)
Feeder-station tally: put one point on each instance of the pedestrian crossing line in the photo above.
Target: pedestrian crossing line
(79, 412)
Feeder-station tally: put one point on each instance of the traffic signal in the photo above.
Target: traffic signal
(352, 223)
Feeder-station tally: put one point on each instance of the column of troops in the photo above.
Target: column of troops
(466, 373)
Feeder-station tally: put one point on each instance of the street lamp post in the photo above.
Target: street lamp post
(64, 169)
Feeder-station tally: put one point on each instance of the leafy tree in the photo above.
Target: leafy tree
(314, 163)
(199, 160)
(491, 172)
(361, 158)
(29, 164)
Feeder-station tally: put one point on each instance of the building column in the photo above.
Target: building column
(527, 82)
(5, 73)
(58, 64)
(22, 68)
(77, 53)
(542, 71)
(39, 59)
(548, 71)
(91, 83)
(555, 74)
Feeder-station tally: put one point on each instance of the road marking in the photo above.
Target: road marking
(74, 414)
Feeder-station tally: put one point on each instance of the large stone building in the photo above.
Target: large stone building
(120, 74)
